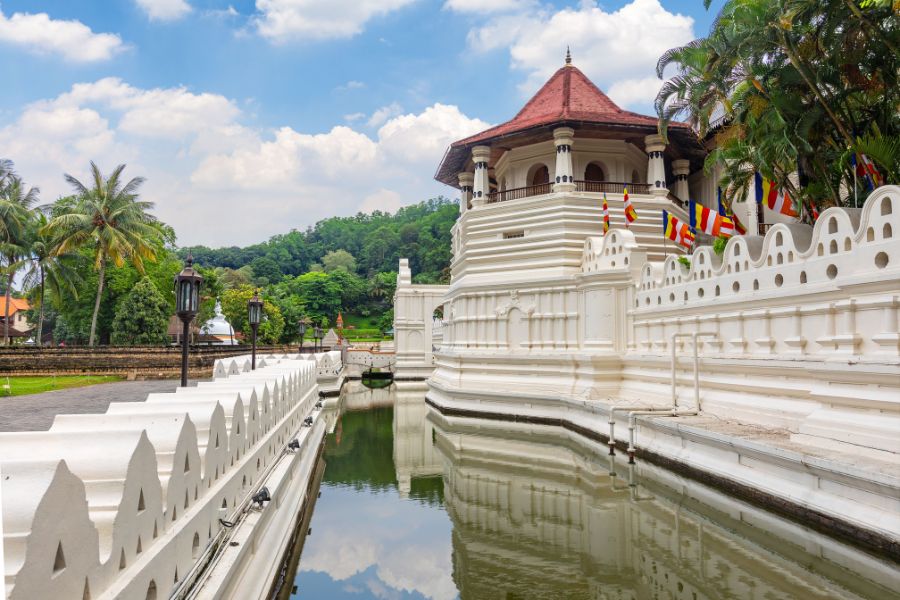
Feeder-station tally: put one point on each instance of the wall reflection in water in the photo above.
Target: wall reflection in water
(537, 514)
(418, 505)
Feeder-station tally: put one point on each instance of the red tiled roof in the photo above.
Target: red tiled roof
(568, 96)
(15, 305)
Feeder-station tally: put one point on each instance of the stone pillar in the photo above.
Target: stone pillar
(682, 168)
(656, 168)
(481, 185)
(565, 181)
(466, 183)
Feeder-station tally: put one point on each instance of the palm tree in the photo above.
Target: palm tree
(109, 219)
(46, 269)
(15, 213)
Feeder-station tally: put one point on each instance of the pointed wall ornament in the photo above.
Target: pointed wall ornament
(568, 56)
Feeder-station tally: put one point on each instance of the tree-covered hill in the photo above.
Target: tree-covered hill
(420, 232)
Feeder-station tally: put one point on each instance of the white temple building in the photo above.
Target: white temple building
(218, 331)
(772, 369)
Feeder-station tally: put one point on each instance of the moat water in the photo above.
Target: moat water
(416, 505)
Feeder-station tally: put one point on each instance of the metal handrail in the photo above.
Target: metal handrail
(611, 187)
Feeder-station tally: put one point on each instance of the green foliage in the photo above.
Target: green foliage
(109, 220)
(719, 245)
(787, 87)
(320, 294)
(339, 260)
(234, 306)
(142, 317)
(420, 232)
(685, 262)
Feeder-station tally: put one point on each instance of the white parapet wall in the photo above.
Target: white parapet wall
(147, 499)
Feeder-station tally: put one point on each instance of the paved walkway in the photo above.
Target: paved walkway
(35, 412)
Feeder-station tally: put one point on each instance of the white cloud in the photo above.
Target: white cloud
(353, 117)
(303, 20)
(73, 40)
(487, 6)
(384, 113)
(630, 92)
(165, 10)
(351, 85)
(218, 180)
(383, 200)
(619, 47)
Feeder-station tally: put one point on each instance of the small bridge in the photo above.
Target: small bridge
(360, 360)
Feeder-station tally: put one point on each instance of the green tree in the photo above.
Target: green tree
(319, 293)
(16, 213)
(234, 307)
(142, 317)
(339, 260)
(109, 219)
(790, 86)
(45, 270)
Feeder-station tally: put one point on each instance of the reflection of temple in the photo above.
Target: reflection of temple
(537, 515)
(414, 452)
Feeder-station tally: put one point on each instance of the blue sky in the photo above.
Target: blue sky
(253, 117)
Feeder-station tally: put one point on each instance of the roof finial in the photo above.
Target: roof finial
(568, 56)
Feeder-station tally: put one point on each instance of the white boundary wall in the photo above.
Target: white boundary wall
(124, 504)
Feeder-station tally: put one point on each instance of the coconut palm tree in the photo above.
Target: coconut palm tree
(44, 269)
(789, 86)
(108, 218)
(15, 214)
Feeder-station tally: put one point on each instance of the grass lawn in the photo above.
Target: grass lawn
(20, 386)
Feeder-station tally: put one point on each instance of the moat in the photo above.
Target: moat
(418, 505)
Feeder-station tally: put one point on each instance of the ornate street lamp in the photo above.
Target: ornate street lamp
(254, 315)
(302, 330)
(317, 334)
(187, 305)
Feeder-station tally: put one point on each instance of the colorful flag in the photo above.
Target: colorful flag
(630, 213)
(866, 168)
(605, 215)
(710, 222)
(777, 200)
(813, 211)
(726, 211)
(677, 231)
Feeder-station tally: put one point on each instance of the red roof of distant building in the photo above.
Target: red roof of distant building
(15, 305)
(568, 96)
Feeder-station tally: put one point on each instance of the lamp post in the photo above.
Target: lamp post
(187, 305)
(302, 329)
(317, 334)
(254, 315)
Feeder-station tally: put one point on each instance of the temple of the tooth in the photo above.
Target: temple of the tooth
(771, 369)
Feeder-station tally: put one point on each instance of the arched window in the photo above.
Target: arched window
(594, 172)
(540, 175)
(635, 178)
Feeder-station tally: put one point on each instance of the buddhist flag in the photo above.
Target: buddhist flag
(866, 168)
(605, 215)
(630, 213)
(710, 222)
(777, 200)
(725, 211)
(677, 231)
(813, 211)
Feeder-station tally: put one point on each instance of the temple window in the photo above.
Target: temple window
(594, 172)
(539, 175)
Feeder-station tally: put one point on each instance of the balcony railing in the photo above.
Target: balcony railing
(610, 187)
(522, 192)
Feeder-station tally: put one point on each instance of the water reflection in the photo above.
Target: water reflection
(418, 505)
